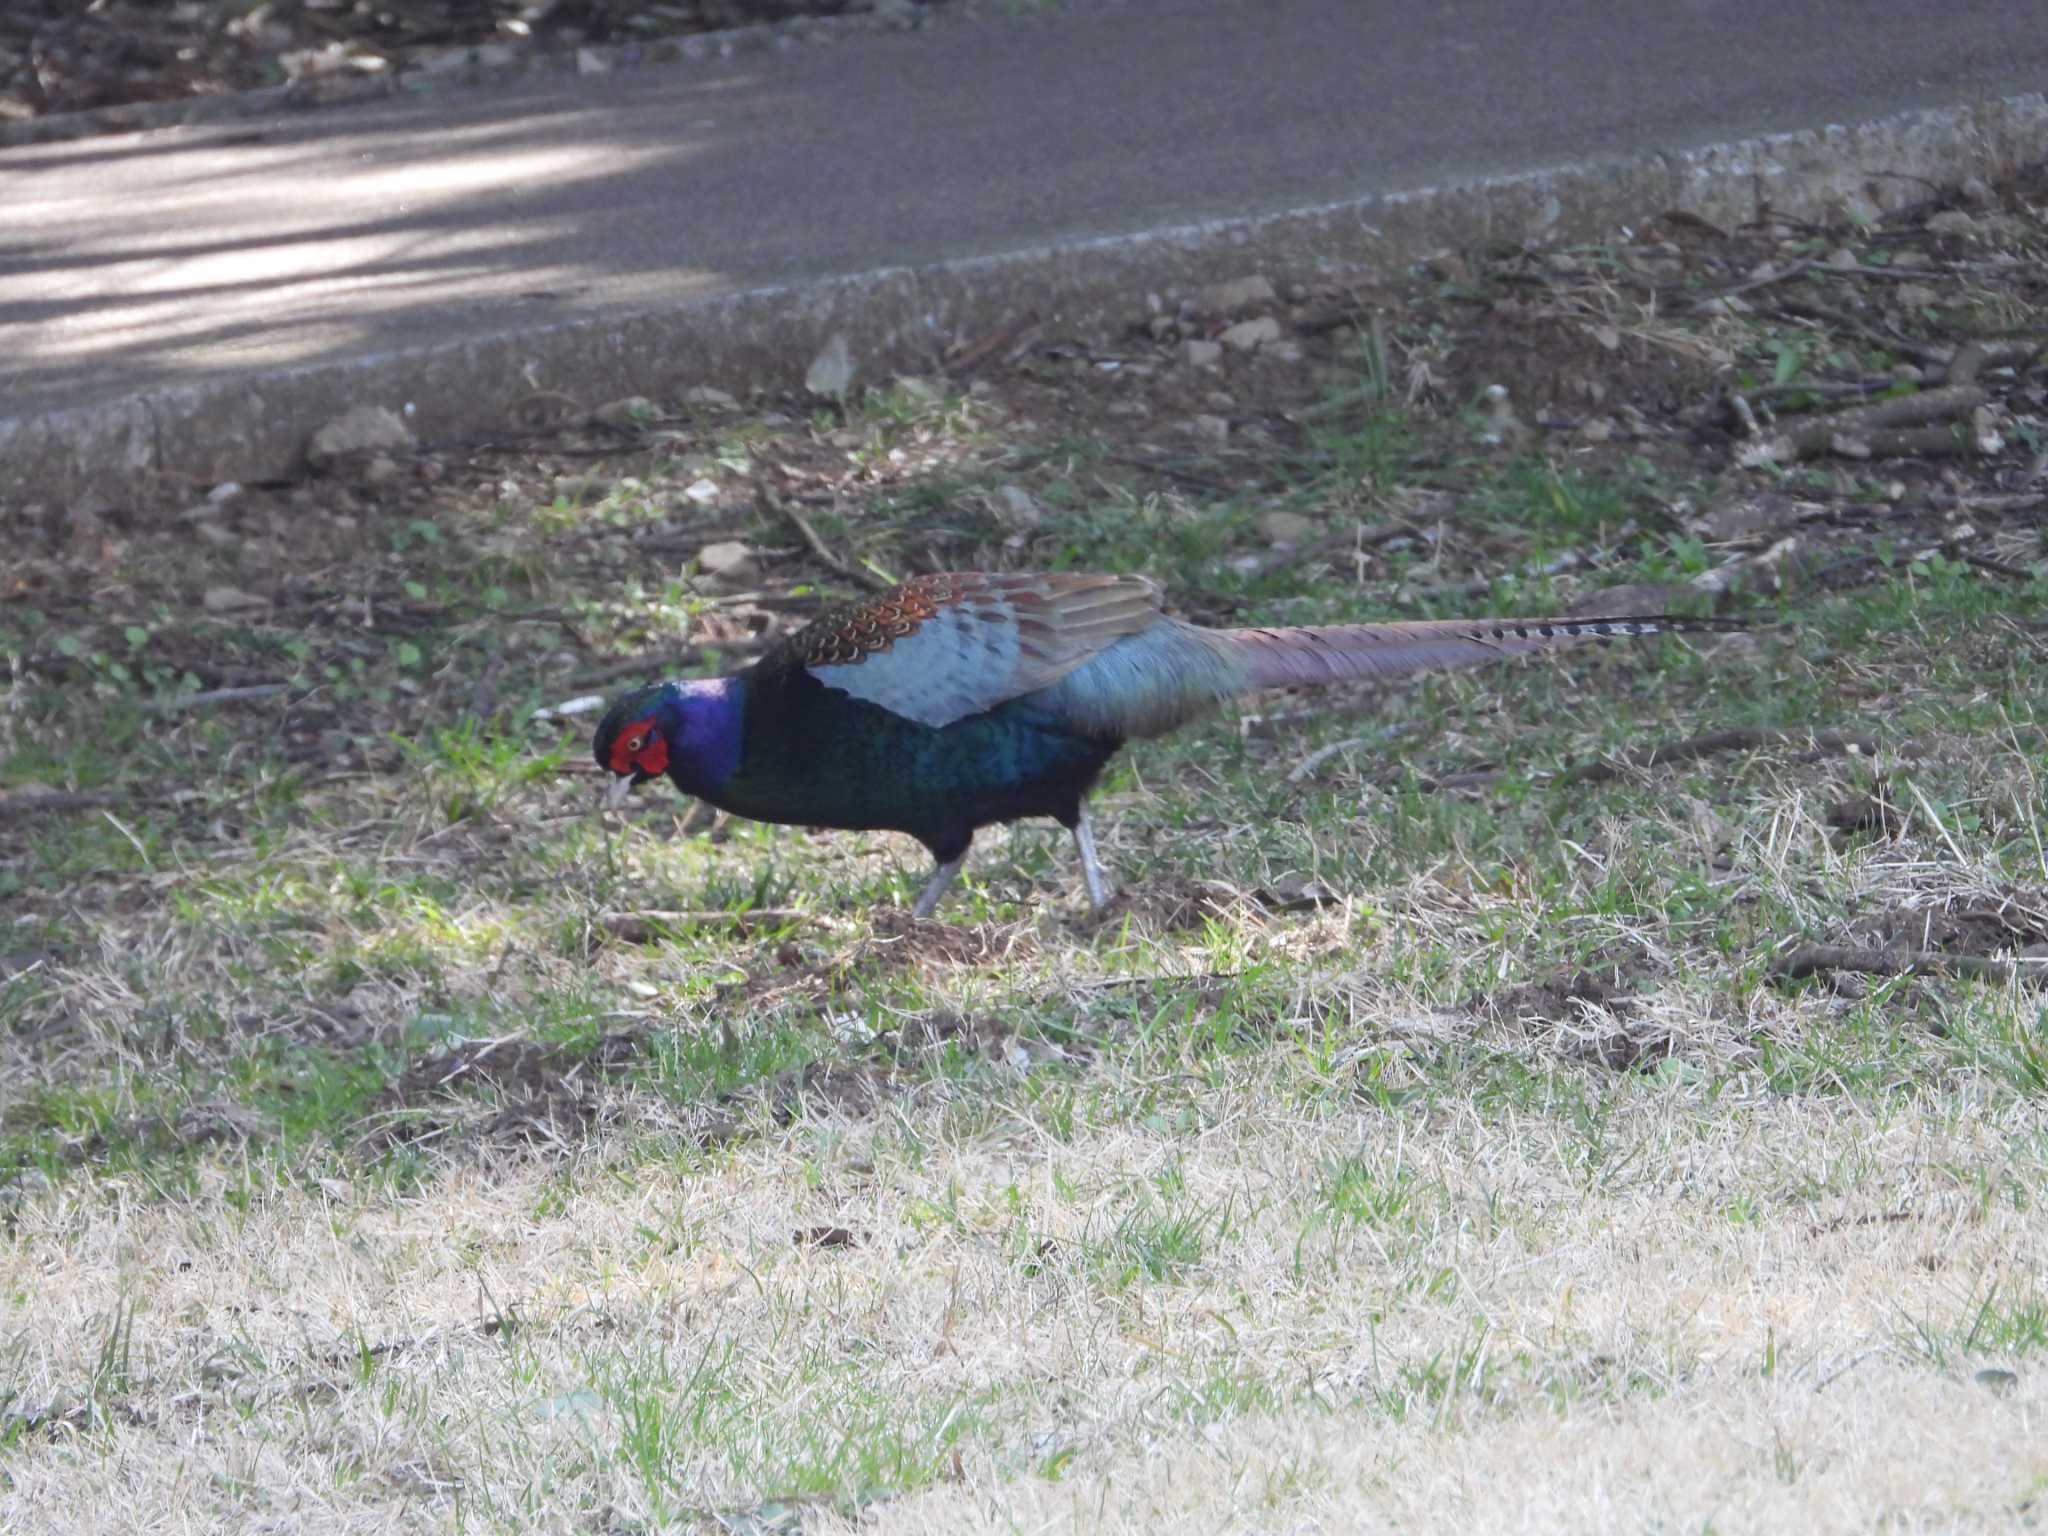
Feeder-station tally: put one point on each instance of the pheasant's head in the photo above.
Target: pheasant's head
(689, 731)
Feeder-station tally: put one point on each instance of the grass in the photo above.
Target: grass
(1424, 1140)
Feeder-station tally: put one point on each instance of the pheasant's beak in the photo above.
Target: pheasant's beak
(617, 791)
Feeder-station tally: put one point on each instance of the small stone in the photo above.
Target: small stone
(1238, 294)
(1842, 259)
(727, 560)
(1248, 334)
(231, 600)
(366, 429)
(1127, 408)
(1202, 354)
(1289, 528)
(1017, 507)
(1282, 351)
(832, 371)
(1504, 429)
(703, 492)
(227, 490)
(1976, 191)
(629, 414)
(706, 398)
(590, 62)
(1598, 429)
(1214, 429)
(1162, 327)
(1997, 1380)
(920, 389)
(1915, 296)
(380, 469)
(214, 534)
(1952, 221)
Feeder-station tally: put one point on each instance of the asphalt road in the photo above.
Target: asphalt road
(188, 254)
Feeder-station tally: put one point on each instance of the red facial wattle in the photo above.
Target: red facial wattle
(640, 747)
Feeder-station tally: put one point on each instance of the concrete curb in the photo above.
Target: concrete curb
(158, 446)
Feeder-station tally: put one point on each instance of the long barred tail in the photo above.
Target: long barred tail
(1280, 658)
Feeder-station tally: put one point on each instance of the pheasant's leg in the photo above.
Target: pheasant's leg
(1091, 866)
(935, 888)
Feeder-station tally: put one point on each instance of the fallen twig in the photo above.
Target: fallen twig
(638, 927)
(1808, 309)
(879, 581)
(1763, 280)
(1000, 340)
(1874, 431)
(1821, 743)
(672, 661)
(1307, 767)
(179, 703)
(37, 804)
(1900, 960)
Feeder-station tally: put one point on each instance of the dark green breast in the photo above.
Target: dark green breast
(813, 756)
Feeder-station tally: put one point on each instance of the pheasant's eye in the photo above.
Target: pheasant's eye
(635, 743)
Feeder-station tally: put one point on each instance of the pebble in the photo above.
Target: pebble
(1287, 528)
(1202, 354)
(832, 371)
(1237, 294)
(230, 600)
(626, 415)
(727, 560)
(1215, 429)
(1017, 507)
(704, 396)
(365, 429)
(1248, 334)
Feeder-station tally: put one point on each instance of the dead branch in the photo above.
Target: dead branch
(179, 703)
(1798, 268)
(1820, 744)
(852, 570)
(1004, 339)
(1899, 960)
(40, 804)
(641, 927)
(1871, 430)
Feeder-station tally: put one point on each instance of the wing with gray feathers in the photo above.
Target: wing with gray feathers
(940, 648)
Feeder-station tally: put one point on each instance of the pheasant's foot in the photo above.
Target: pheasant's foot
(1091, 866)
(935, 888)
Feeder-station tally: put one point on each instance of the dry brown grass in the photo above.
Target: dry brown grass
(1535, 1340)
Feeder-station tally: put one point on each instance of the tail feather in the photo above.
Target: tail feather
(1281, 658)
(1172, 672)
